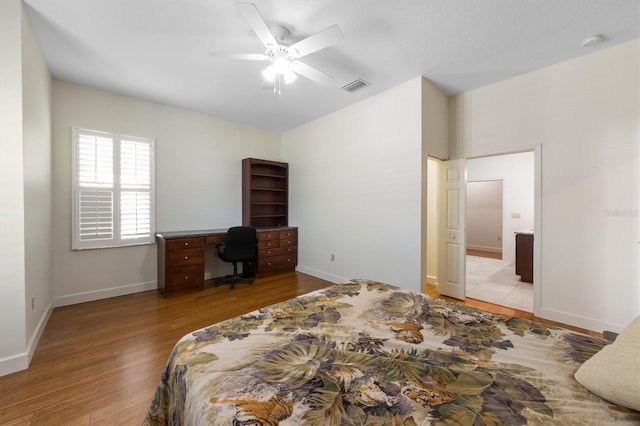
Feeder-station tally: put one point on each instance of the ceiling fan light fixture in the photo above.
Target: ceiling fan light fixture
(280, 67)
(284, 64)
(289, 76)
(269, 73)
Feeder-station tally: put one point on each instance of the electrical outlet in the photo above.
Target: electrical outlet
(499, 238)
(333, 257)
(33, 303)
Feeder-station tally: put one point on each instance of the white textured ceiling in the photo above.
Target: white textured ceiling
(158, 50)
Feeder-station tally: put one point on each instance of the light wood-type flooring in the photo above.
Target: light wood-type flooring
(482, 253)
(98, 363)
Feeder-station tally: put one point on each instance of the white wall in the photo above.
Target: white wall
(517, 174)
(25, 189)
(355, 189)
(435, 129)
(432, 221)
(435, 144)
(198, 184)
(585, 113)
(484, 215)
(12, 244)
(36, 103)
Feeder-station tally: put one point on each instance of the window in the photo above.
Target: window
(113, 190)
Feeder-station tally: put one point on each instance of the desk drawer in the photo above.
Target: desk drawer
(185, 243)
(215, 239)
(274, 263)
(192, 276)
(277, 251)
(187, 257)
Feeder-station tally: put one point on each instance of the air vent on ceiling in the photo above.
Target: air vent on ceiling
(355, 85)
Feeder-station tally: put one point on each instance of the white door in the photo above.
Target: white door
(452, 253)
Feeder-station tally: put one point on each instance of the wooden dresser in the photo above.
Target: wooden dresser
(277, 251)
(181, 256)
(524, 256)
(181, 259)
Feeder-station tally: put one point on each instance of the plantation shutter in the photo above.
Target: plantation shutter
(113, 190)
(95, 187)
(135, 198)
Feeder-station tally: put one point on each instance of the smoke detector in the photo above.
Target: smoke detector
(590, 41)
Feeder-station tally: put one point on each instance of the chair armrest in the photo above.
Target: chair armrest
(218, 248)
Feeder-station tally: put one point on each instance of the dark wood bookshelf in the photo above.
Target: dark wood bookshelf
(265, 197)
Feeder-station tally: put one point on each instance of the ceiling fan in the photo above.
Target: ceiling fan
(284, 64)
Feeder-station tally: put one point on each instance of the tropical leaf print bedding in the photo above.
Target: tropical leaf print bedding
(363, 352)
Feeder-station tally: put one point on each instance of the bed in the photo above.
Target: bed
(363, 352)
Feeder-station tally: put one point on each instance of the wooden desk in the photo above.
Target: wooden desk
(181, 256)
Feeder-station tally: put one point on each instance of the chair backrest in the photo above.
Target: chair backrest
(240, 244)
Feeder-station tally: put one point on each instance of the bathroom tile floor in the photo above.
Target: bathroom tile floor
(495, 281)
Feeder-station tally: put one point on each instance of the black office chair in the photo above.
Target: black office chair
(240, 245)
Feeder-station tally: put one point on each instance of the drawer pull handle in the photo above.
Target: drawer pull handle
(186, 277)
(186, 257)
(186, 244)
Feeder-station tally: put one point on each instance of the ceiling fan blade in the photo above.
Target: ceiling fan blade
(244, 56)
(256, 22)
(317, 41)
(311, 73)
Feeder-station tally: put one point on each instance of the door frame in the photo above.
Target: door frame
(537, 223)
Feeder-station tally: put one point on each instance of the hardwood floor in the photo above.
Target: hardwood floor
(98, 363)
(482, 253)
(503, 310)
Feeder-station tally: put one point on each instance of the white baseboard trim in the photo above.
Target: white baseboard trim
(579, 321)
(90, 296)
(14, 363)
(21, 361)
(431, 279)
(322, 275)
(37, 333)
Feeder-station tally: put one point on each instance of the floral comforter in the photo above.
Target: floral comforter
(363, 352)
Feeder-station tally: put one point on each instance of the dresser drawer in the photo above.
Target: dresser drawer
(185, 243)
(284, 242)
(265, 244)
(273, 263)
(186, 257)
(268, 235)
(290, 233)
(277, 251)
(192, 276)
